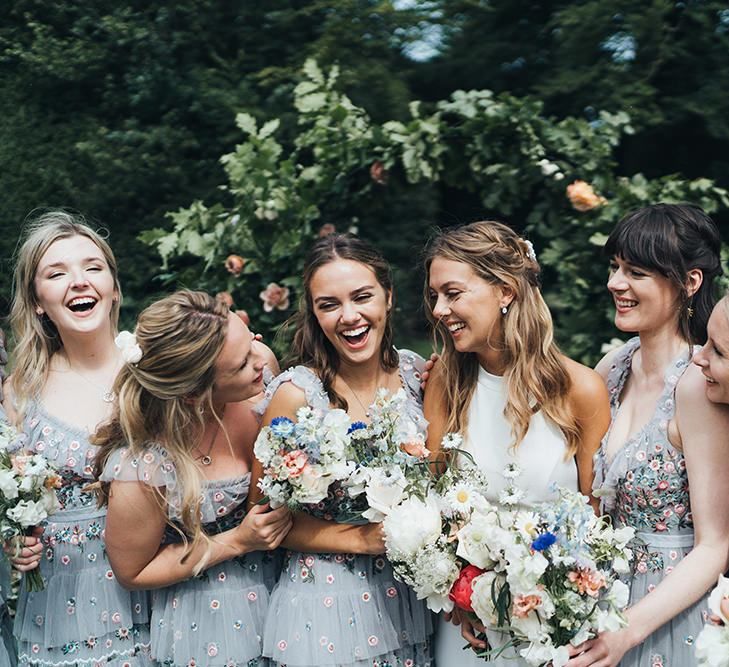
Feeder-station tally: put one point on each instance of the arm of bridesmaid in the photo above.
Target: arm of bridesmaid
(591, 407)
(701, 434)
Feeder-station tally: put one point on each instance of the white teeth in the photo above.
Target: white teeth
(457, 326)
(709, 380)
(625, 303)
(81, 300)
(355, 332)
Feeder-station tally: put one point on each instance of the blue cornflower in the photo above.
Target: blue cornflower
(544, 541)
(356, 426)
(282, 426)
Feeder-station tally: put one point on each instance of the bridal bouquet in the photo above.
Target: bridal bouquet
(302, 459)
(547, 576)
(388, 455)
(712, 644)
(420, 531)
(28, 486)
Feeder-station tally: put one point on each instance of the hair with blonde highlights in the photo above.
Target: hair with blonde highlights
(36, 337)
(310, 346)
(159, 399)
(536, 376)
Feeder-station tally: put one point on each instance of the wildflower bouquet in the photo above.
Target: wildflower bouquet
(547, 576)
(420, 531)
(302, 459)
(27, 495)
(388, 456)
(712, 644)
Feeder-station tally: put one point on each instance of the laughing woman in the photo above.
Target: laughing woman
(64, 315)
(663, 467)
(175, 466)
(337, 602)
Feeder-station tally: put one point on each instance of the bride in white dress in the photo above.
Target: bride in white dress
(503, 384)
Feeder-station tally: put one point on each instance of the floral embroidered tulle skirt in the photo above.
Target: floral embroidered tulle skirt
(83, 616)
(7, 642)
(672, 645)
(345, 610)
(215, 619)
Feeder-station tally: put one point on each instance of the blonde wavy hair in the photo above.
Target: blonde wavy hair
(160, 400)
(536, 376)
(36, 337)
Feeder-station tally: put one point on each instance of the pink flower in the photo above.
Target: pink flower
(296, 462)
(275, 296)
(327, 229)
(415, 448)
(234, 264)
(587, 581)
(523, 604)
(378, 173)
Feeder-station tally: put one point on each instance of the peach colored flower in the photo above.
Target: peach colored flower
(225, 297)
(415, 448)
(53, 482)
(244, 316)
(523, 604)
(326, 229)
(275, 296)
(583, 197)
(587, 581)
(378, 173)
(234, 264)
(296, 462)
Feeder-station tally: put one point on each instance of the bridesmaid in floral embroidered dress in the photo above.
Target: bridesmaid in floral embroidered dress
(64, 315)
(663, 462)
(175, 469)
(337, 602)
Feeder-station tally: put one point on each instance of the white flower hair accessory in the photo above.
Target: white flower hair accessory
(126, 341)
(530, 253)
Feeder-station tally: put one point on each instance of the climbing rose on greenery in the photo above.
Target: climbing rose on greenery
(275, 296)
(234, 264)
(583, 197)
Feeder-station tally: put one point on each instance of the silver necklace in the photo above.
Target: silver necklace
(107, 395)
(354, 393)
(206, 459)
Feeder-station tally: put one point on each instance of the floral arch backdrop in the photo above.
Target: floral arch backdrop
(556, 179)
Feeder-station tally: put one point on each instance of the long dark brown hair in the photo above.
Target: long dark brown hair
(310, 346)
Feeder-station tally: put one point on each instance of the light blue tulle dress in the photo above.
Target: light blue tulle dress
(7, 642)
(83, 616)
(346, 609)
(645, 486)
(214, 619)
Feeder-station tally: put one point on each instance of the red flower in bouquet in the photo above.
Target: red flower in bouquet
(463, 587)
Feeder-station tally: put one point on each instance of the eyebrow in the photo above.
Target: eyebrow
(352, 293)
(86, 260)
(451, 283)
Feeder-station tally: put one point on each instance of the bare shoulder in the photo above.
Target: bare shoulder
(691, 394)
(605, 364)
(287, 399)
(8, 399)
(588, 393)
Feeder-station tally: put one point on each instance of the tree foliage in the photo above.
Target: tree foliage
(502, 148)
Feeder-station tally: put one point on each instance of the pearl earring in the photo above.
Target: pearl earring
(39, 311)
(504, 310)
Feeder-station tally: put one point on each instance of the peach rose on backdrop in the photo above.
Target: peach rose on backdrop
(378, 173)
(327, 229)
(275, 296)
(234, 264)
(583, 197)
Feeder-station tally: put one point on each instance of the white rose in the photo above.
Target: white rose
(8, 484)
(27, 513)
(49, 500)
(619, 594)
(438, 603)
(312, 486)
(411, 525)
(473, 542)
(385, 489)
(481, 598)
(712, 646)
(717, 595)
(621, 565)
